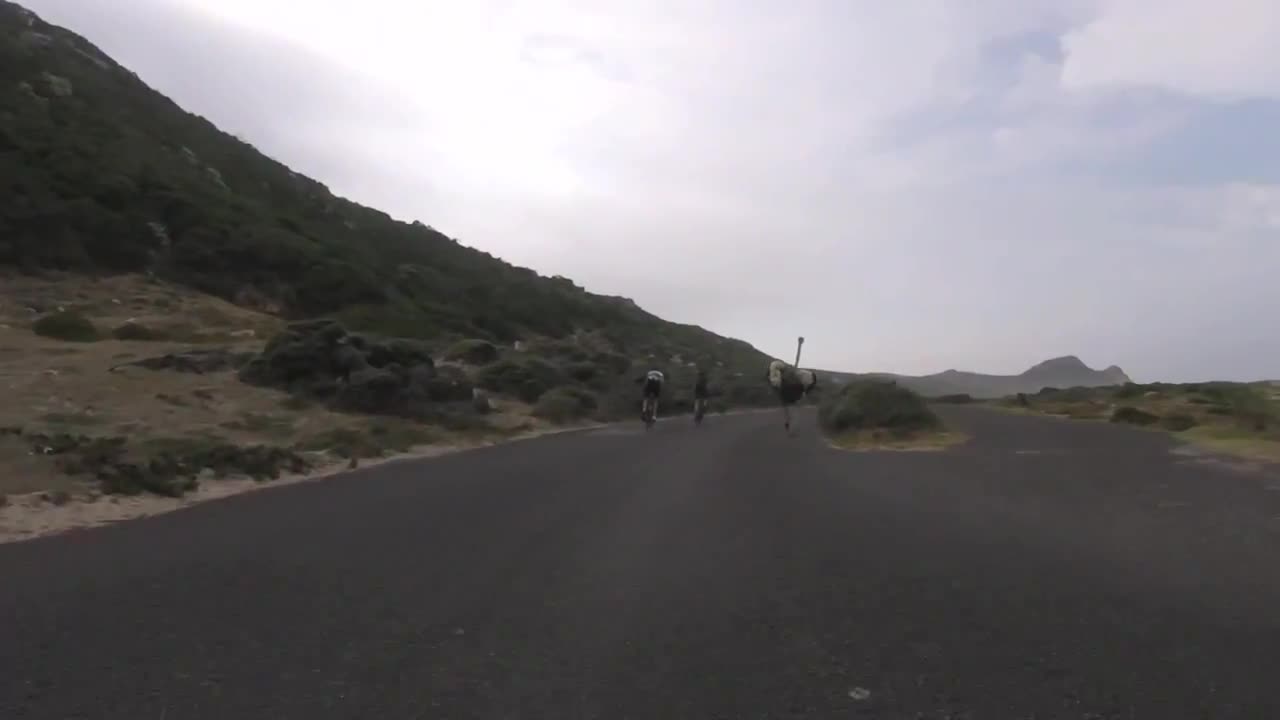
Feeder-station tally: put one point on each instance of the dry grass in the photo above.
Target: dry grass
(54, 386)
(1235, 442)
(884, 440)
(1221, 425)
(175, 312)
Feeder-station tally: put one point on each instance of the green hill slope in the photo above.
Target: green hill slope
(100, 174)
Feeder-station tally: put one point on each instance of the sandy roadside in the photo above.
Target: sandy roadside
(31, 516)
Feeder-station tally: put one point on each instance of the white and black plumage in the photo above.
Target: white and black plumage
(790, 383)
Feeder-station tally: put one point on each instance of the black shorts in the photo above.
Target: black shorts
(652, 388)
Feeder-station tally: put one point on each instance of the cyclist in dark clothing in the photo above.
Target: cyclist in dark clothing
(700, 393)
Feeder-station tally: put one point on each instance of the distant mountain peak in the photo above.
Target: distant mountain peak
(1116, 375)
(1066, 363)
(1062, 372)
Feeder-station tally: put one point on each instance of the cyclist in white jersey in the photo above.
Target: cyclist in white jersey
(652, 389)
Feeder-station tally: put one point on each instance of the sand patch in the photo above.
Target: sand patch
(880, 440)
(33, 515)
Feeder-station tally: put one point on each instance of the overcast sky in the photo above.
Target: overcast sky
(913, 185)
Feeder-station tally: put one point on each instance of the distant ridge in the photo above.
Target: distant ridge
(1061, 372)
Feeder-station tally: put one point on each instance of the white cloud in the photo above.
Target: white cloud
(1224, 49)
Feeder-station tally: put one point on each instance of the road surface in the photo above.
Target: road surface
(1047, 569)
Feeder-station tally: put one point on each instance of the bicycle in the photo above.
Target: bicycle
(648, 412)
(699, 410)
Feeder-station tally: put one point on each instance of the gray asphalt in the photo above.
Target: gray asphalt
(1047, 569)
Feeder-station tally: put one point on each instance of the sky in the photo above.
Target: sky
(912, 186)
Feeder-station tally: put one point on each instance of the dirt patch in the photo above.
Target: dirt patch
(156, 405)
(36, 514)
(1234, 420)
(167, 313)
(1260, 451)
(175, 392)
(884, 440)
(171, 395)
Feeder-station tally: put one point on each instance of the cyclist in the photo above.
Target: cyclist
(700, 394)
(651, 390)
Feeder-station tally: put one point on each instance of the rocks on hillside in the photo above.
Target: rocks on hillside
(358, 373)
(58, 86)
(473, 352)
(32, 40)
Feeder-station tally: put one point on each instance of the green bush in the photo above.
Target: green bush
(450, 385)
(472, 352)
(136, 331)
(1134, 416)
(1128, 390)
(66, 325)
(565, 404)
(871, 404)
(376, 441)
(1252, 410)
(614, 363)
(583, 372)
(381, 352)
(526, 380)
(1179, 422)
(1071, 394)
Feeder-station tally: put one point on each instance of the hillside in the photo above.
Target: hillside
(100, 174)
(1063, 372)
(177, 307)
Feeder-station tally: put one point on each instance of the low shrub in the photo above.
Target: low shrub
(472, 352)
(137, 331)
(583, 372)
(1133, 416)
(57, 497)
(871, 404)
(526, 380)
(1128, 390)
(565, 404)
(1178, 422)
(375, 441)
(66, 325)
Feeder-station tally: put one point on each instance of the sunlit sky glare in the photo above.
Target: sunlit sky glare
(912, 185)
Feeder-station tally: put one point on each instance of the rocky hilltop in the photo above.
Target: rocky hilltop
(1062, 372)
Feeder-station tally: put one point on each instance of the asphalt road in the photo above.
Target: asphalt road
(1047, 569)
